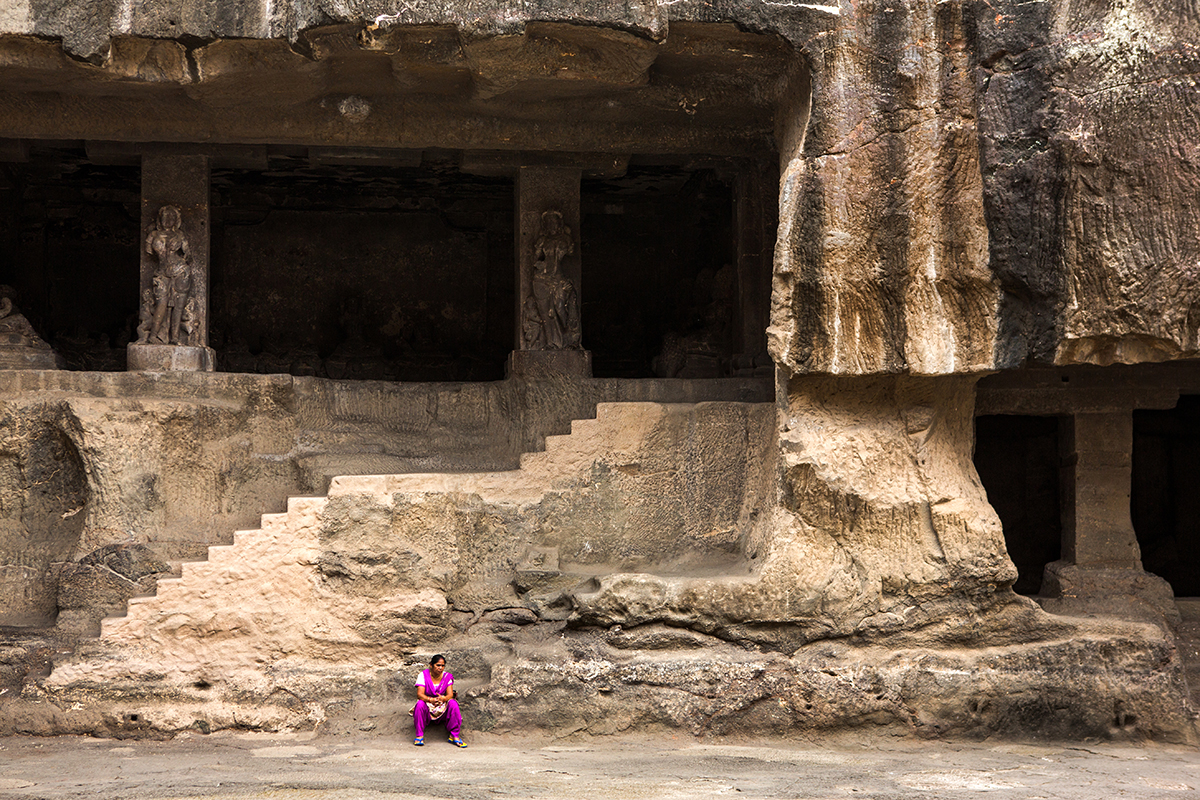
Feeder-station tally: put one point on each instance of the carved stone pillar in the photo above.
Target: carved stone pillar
(549, 273)
(1101, 567)
(173, 335)
(1097, 457)
(755, 221)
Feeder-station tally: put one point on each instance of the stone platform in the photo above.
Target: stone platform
(170, 358)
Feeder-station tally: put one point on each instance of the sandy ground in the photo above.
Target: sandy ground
(306, 767)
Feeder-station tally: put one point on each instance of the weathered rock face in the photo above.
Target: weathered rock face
(882, 260)
(881, 526)
(44, 496)
(389, 564)
(604, 685)
(317, 619)
(90, 462)
(1089, 120)
(965, 186)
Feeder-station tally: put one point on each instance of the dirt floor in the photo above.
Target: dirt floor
(307, 767)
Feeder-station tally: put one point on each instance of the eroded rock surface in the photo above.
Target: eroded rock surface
(317, 618)
(965, 186)
(881, 526)
(1089, 118)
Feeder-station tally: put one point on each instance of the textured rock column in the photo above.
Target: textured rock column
(1101, 567)
(1097, 451)
(539, 190)
(182, 182)
(755, 221)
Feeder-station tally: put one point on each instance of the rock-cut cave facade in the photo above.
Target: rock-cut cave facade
(717, 365)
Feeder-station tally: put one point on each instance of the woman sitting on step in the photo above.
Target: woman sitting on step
(435, 688)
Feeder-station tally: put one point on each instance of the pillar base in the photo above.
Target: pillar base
(1132, 594)
(570, 362)
(169, 358)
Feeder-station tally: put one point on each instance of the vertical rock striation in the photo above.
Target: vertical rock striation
(882, 259)
(1089, 132)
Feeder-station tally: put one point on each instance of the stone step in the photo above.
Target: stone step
(585, 425)
(557, 442)
(301, 505)
(167, 587)
(194, 571)
(273, 520)
(533, 458)
(219, 553)
(563, 459)
(243, 538)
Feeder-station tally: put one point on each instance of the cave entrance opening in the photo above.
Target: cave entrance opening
(384, 266)
(368, 227)
(379, 271)
(69, 250)
(1164, 503)
(675, 283)
(1017, 458)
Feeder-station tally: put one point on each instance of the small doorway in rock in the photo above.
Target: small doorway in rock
(1017, 458)
(1165, 498)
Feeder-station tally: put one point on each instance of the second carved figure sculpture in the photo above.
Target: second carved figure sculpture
(169, 308)
(552, 308)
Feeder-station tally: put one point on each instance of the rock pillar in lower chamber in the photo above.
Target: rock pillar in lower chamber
(173, 293)
(1097, 450)
(1101, 567)
(549, 273)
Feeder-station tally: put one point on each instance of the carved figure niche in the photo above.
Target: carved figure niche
(168, 313)
(551, 311)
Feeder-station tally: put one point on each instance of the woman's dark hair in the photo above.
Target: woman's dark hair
(436, 658)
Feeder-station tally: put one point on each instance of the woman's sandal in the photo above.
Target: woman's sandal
(457, 742)
(419, 741)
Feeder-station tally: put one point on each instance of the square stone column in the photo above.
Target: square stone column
(1101, 567)
(542, 193)
(1097, 458)
(755, 220)
(181, 182)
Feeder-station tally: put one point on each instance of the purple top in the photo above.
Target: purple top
(431, 690)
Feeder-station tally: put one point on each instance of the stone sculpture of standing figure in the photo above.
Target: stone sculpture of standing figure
(172, 281)
(554, 295)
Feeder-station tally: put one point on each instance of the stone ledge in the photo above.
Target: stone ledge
(523, 363)
(1110, 684)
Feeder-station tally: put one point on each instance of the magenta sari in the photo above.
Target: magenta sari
(425, 713)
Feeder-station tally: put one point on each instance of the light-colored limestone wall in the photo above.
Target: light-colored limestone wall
(176, 463)
(14, 16)
(375, 569)
(881, 527)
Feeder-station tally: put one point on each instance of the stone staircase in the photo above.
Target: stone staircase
(255, 583)
(260, 596)
(614, 435)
